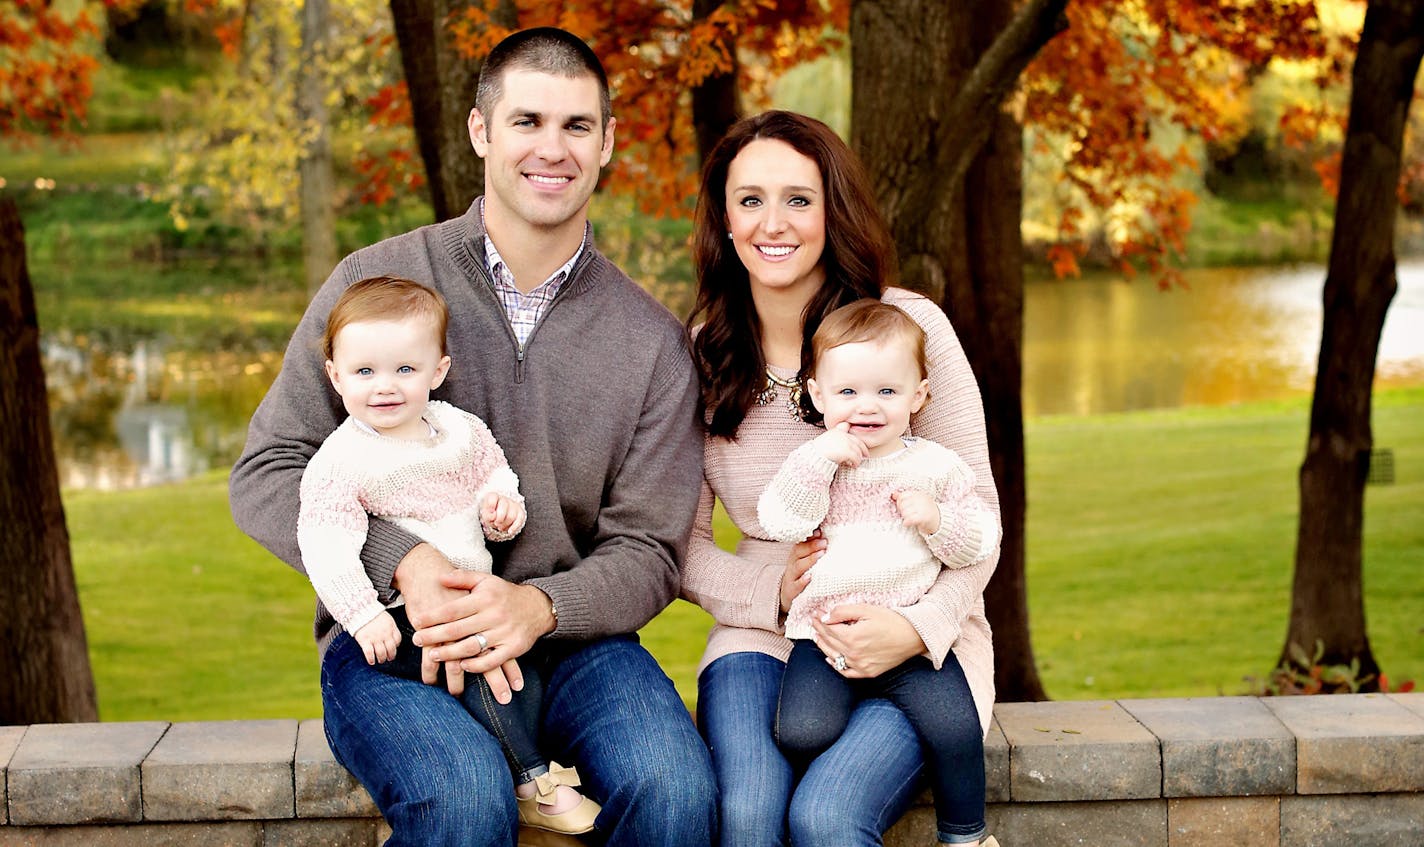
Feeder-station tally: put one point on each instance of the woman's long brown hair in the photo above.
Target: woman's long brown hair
(858, 259)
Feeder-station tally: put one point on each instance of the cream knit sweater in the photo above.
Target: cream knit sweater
(871, 556)
(431, 487)
(742, 591)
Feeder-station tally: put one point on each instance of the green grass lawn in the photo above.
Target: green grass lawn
(1160, 552)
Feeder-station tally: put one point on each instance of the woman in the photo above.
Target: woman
(787, 230)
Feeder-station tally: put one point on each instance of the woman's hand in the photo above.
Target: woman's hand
(872, 639)
(798, 570)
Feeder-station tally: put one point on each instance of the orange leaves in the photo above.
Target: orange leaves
(382, 173)
(45, 70)
(655, 52)
(1116, 93)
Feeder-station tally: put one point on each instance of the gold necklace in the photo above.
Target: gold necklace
(793, 388)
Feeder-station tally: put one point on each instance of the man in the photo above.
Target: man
(586, 383)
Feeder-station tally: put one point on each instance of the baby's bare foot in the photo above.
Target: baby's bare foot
(565, 799)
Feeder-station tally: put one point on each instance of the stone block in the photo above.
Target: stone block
(1412, 700)
(996, 764)
(1079, 750)
(80, 773)
(325, 789)
(916, 828)
(1134, 823)
(141, 835)
(9, 740)
(527, 837)
(221, 770)
(1213, 821)
(328, 832)
(1360, 820)
(1219, 746)
(1353, 743)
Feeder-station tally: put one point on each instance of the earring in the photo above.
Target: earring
(729, 236)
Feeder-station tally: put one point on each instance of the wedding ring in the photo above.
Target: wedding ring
(841, 663)
(484, 643)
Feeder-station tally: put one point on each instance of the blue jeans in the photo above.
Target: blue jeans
(515, 725)
(848, 796)
(439, 778)
(816, 704)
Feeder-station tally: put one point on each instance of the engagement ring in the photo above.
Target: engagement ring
(841, 663)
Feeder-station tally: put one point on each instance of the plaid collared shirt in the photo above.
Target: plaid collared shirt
(525, 310)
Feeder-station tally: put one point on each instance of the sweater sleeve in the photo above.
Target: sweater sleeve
(632, 571)
(734, 591)
(331, 528)
(493, 475)
(798, 497)
(967, 530)
(953, 418)
(299, 411)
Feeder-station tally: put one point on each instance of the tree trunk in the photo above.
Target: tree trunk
(714, 102)
(441, 84)
(317, 181)
(44, 659)
(1327, 597)
(946, 165)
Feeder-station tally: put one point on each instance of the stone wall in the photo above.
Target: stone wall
(1298, 771)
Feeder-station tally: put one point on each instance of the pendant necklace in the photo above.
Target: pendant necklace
(793, 390)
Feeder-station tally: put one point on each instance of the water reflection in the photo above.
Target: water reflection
(134, 416)
(1104, 344)
(143, 401)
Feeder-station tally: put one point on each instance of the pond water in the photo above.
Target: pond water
(158, 387)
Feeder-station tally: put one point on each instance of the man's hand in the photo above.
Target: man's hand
(918, 510)
(417, 578)
(508, 619)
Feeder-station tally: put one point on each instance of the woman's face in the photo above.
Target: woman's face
(777, 216)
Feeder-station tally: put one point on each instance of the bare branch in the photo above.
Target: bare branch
(970, 118)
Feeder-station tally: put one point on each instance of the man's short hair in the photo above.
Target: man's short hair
(386, 298)
(545, 49)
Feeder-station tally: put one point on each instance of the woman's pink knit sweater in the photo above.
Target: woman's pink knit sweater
(742, 592)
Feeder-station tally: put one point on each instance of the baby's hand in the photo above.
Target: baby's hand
(379, 638)
(839, 446)
(500, 512)
(917, 510)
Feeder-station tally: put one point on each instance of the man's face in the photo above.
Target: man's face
(543, 147)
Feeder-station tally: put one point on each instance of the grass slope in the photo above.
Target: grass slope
(1160, 552)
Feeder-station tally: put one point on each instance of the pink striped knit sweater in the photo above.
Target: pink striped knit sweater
(871, 556)
(432, 487)
(742, 591)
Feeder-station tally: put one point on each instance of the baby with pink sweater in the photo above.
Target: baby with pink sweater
(895, 510)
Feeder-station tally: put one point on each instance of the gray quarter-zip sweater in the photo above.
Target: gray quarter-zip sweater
(597, 415)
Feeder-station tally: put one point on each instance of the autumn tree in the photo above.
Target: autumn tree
(44, 658)
(947, 167)
(440, 80)
(1327, 598)
(318, 188)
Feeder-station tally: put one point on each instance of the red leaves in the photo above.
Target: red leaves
(1123, 74)
(44, 71)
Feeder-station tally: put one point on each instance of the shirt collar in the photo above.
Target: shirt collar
(493, 260)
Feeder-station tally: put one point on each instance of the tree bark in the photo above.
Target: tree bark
(441, 84)
(946, 162)
(317, 181)
(44, 658)
(714, 102)
(1327, 595)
